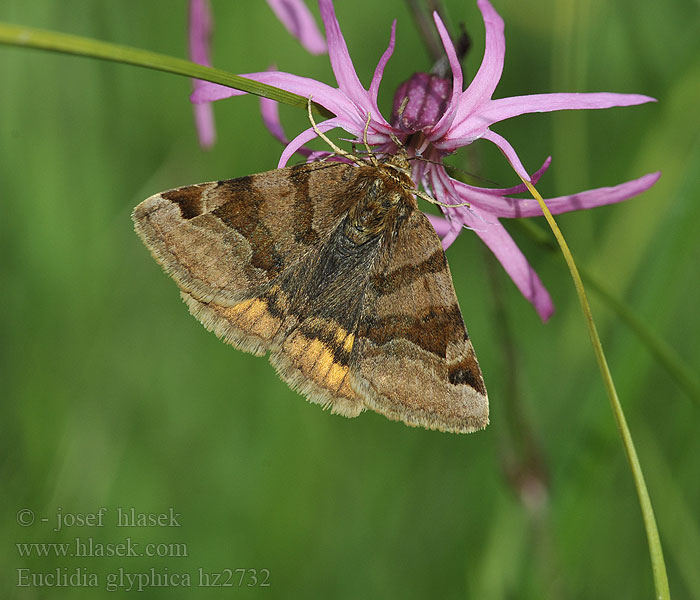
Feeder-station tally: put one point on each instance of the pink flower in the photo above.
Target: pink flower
(296, 17)
(293, 14)
(437, 118)
(200, 33)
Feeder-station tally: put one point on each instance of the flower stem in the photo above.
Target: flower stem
(28, 37)
(657, 558)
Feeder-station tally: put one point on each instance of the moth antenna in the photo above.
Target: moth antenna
(339, 151)
(432, 162)
(327, 157)
(396, 140)
(460, 170)
(370, 154)
(432, 200)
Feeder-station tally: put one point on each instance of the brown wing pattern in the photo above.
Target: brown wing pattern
(223, 241)
(305, 317)
(412, 359)
(251, 257)
(265, 263)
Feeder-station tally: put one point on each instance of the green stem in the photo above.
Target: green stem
(28, 37)
(657, 558)
(686, 378)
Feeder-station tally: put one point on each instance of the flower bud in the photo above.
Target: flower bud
(420, 102)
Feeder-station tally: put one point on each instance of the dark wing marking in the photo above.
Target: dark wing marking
(224, 241)
(326, 299)
(412, 359)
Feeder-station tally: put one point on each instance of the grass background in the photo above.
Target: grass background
(113, 396)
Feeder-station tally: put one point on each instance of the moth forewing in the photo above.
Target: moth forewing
(330, 268)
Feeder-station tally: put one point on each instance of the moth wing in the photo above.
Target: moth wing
(305, 318)
(313, 358)
(412, 358)
(313, 353)
(223, 241)
(250, 325)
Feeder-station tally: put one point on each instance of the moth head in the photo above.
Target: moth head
(399, 162)
(398, 169)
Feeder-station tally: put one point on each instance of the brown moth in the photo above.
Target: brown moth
(332, 269)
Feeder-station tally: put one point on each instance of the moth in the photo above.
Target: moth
(332, 269)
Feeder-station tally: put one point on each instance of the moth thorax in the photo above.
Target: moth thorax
(399, 162)
(382, 203)
(398, 167)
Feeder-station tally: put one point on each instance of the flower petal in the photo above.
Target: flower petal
(440, 224)
(489, 74)
(508, 151)
(204, 123)
(528, 207)
(379, 71)
(269, 109)
(271, 119)
(516, 189)
(343, 69)
(305, 136)
(445, 122)
(297, 18)
(444, 191)
(200, 26)
(452, 234)
(329, 97)
(494, 235)
(474, 125)
(505, 108)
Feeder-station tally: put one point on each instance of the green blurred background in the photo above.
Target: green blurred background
(113, 396)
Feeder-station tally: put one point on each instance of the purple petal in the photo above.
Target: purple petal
(505, 108)
(508, 151)
(489, 74)
(474, 125)
(327, 96)
(379, 71)
(528, 207)
(513, 260)
(418, 173)
(440, 224)
(200, 26)
(444, 191)
(494, 235)
(271, 119)
(316, 155)
(204, 123)
(206, 91)
(297, 18)
(445, 121)
(269, 109)
(343, 69)
(451, 235)
(442, 185)
(517, 189)
(305, 136)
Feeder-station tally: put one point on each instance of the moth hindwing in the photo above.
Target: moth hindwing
(333, 270)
